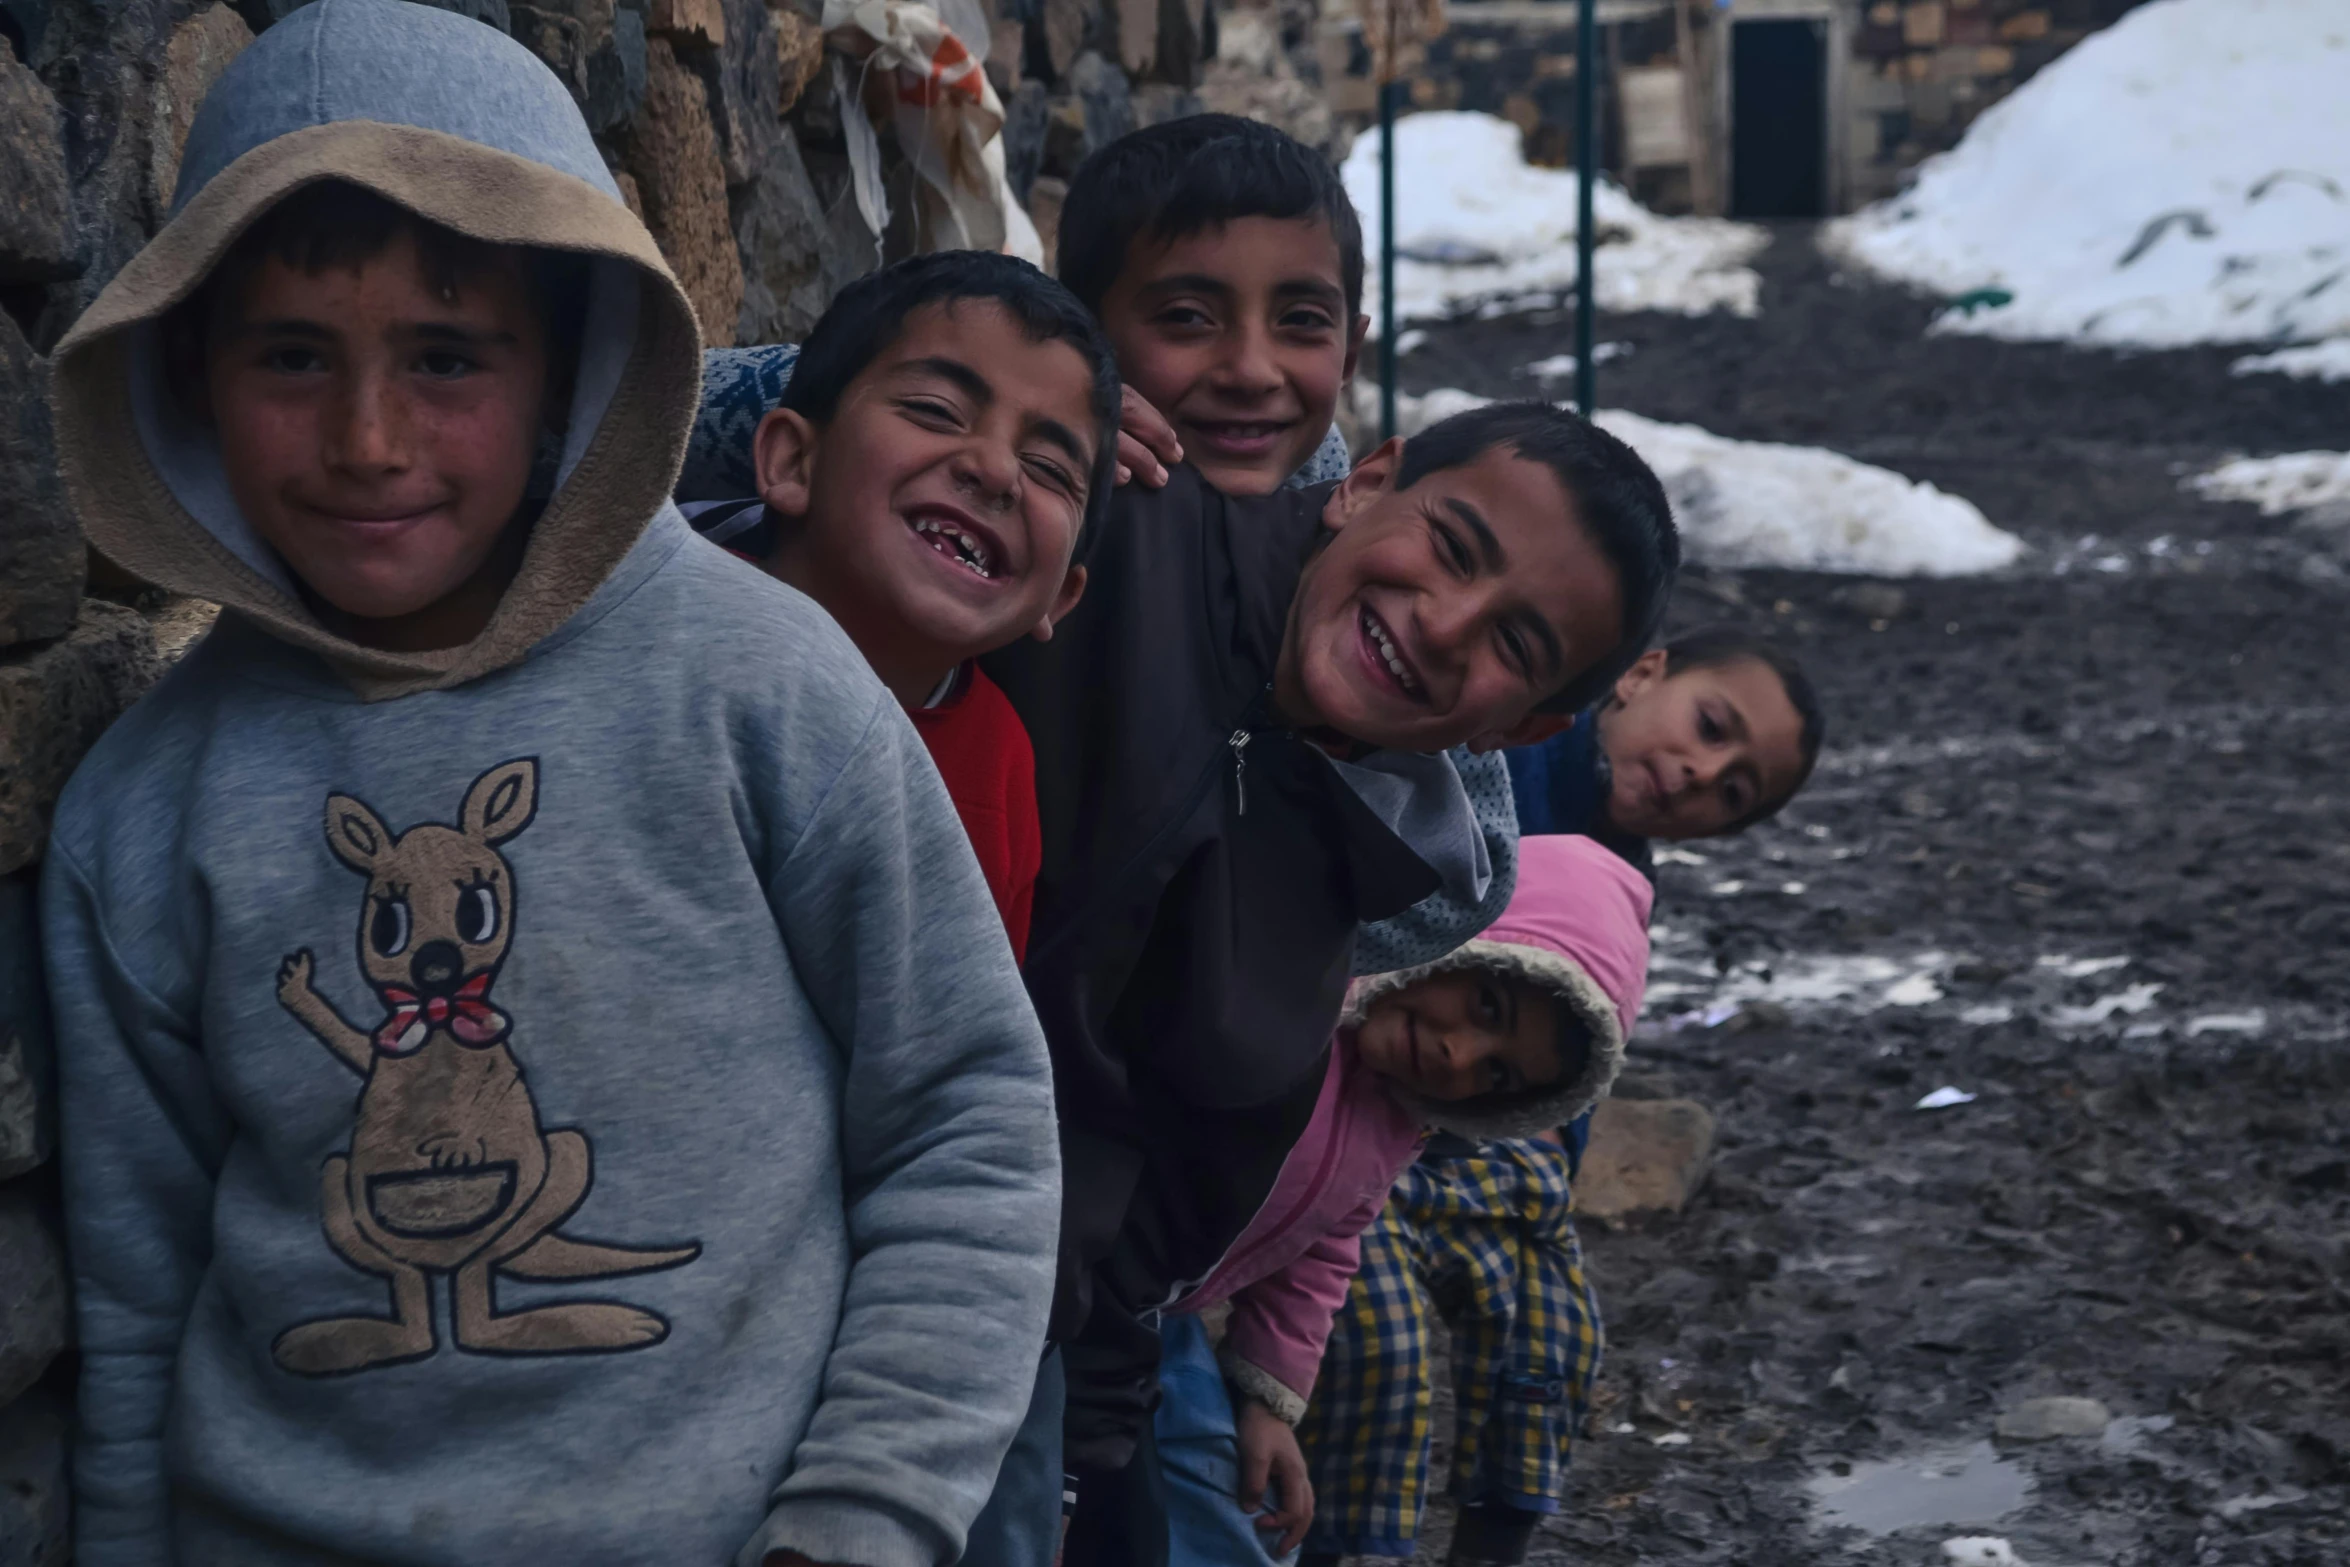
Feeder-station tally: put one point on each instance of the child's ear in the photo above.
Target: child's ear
(783, 454)
(1072, 589)
(1354, 346)
(1533, 729)
(1646, 671)
(1372, 478)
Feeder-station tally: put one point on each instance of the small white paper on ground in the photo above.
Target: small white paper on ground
(1476, 224)
(2296, 481)
(2181, 177)
(1944, 1098)
(1673, 1439)
(2250, 1022)
(1748, 504)
(1980, 1550)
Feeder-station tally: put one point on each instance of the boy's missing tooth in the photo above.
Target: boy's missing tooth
(1226, 264)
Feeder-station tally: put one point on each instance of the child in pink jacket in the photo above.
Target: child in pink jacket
(1512, 1035)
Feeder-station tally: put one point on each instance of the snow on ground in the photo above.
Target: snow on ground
(2297, 481)
(1476, 224)
(1758, 503)
(2181, 177)
(2326, 361)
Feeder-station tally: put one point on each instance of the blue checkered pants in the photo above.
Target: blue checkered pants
(1484, 1241)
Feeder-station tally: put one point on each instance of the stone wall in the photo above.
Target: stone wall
(721, 121)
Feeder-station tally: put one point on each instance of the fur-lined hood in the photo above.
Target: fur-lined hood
(1577, 927)
(463, 126)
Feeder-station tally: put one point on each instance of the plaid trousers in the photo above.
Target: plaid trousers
(1485, 1241)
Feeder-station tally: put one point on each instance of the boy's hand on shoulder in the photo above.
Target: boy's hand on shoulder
(1146, 443)
(1269, 1451)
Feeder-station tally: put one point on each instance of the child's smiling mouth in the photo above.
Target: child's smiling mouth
(955, 537)
(1237, 438)
(1382, 653)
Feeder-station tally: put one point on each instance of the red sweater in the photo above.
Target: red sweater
(982, 752)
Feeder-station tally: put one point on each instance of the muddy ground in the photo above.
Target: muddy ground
(2085, 822)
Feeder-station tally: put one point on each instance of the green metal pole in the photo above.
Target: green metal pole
(1388, 92)
(1587, 175)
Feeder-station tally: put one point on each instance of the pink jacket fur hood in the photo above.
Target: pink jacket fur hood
(1577, 927)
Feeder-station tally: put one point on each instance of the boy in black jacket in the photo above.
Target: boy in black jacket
(1206, 864)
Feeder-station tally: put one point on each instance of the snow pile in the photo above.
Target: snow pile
(2182, 177)
(2297, 481)
(1755, 503)
(1476, 224)
(2326, 361)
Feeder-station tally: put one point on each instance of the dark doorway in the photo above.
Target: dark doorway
(1779, 119)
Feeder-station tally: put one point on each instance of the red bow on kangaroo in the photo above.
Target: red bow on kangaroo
(467, 1014)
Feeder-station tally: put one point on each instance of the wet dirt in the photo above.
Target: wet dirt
(2078, 849)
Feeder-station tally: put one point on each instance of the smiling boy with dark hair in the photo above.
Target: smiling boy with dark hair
(1226, 264)
(1212, 728)
(943, 446)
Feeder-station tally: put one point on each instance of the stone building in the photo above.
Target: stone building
(721, 120)
(1749, 108)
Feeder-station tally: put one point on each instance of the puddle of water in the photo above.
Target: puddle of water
(1969, 1485)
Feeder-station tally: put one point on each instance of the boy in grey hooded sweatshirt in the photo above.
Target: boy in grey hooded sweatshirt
(560, 1093)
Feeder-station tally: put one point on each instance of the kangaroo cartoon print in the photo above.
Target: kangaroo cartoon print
(449, 1171)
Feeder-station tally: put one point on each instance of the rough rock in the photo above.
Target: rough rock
(2046, 1419)
(55, 701)
(1645, 1156)
(1252, 76)
(36, 204)
(28, 1115)
(1057, 30)
(1155, 103)
(799, 55)
(28, 1124)
(673, 153)
(1026, 113)
(745, 88)
(103, 85)
(1007, 42)
(1137, 25)
(200, 49)
(690, 23)
(33, 1510)
(1104, 98)
(1044, 210)
(33, 1325)
(41, 555)
(1186, 35)
(595, 48)
(790, 270)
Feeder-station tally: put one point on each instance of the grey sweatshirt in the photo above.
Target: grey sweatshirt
(564, 1099)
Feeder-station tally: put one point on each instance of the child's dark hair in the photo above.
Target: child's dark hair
(1170, 180)
(1617, 499)
(870, 314)
(1710, 647)
(334, 223)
